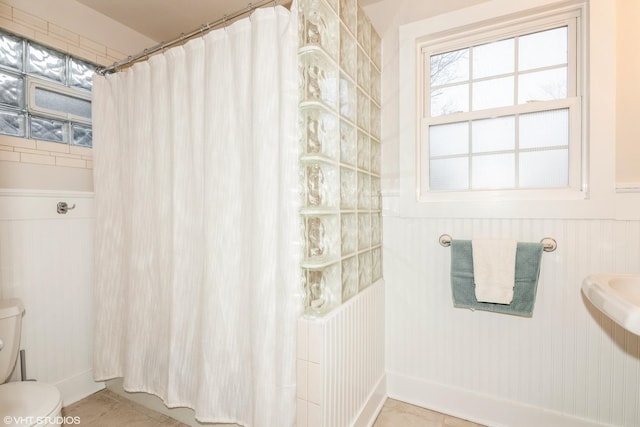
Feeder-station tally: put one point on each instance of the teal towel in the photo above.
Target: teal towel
(528, 257)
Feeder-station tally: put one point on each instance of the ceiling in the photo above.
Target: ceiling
(164, 20)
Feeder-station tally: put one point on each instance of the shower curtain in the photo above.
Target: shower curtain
(197, 236)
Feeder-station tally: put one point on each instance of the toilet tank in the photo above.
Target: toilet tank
(10, 324)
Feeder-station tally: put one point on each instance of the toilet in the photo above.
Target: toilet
(24, 403)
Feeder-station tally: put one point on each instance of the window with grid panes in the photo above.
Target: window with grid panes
(44, 94)
(503, 110)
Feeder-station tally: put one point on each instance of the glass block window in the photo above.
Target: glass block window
(12, 92)
(46, 63)
(502, 109)
(44, 94)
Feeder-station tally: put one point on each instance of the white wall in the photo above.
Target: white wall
(46, 260)
(340, 363)
(568, 365)
(565, 365)
(628, 92)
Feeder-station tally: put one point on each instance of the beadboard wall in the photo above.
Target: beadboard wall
(340, 363)
(569, 365)
(46, 261)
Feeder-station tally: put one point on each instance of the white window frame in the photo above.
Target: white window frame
(573, 102)
(597, 51)
(34, 83)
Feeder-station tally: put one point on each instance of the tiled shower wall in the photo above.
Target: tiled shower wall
(340, 62)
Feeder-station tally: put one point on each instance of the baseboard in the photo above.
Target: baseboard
(373, 406)
(78, 387)
(479, 408)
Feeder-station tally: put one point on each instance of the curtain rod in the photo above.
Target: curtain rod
(183, 37)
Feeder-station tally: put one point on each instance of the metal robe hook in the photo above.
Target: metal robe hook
(63, 207)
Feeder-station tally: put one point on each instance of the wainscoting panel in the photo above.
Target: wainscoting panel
(341, 378)
(46, 260)
(569, 363)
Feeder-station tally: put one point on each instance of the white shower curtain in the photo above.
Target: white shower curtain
(197, 235)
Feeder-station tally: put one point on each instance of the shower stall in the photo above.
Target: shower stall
(237, 183)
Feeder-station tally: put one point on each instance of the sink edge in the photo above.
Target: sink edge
(610, 302)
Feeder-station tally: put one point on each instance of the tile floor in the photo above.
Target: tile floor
(399, 414)
(107, 409)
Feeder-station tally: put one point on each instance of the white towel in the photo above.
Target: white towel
(494, 269)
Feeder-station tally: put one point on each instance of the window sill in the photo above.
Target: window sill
(503, 195)
(504, 209)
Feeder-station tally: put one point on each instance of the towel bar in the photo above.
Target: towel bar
(549, 243)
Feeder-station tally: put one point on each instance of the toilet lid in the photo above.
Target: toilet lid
(29, 399)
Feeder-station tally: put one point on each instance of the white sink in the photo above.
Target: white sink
(617, 296)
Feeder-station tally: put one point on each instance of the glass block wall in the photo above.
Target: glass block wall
(340, 63)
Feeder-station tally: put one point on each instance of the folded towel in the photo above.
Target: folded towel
(528, 257)
(494, 268)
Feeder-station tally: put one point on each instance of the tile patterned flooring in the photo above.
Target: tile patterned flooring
(107, 409)
(399, 414)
